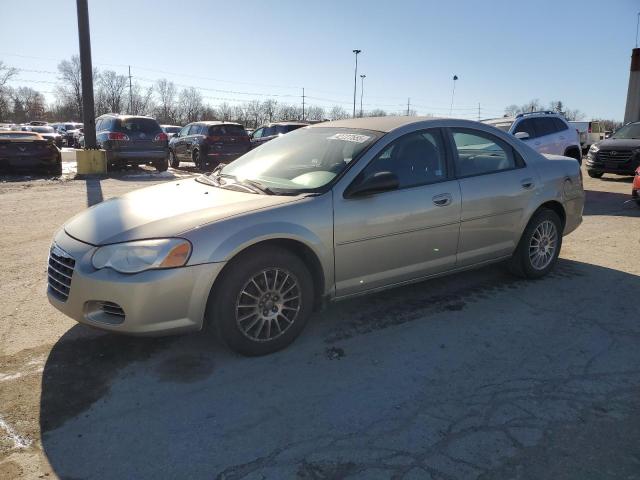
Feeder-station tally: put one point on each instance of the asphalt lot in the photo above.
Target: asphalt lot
(477, 375)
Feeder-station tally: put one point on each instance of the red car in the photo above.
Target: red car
(635, 190)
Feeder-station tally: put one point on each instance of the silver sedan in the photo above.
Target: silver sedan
(327, 212)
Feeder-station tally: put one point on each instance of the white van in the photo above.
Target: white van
(590, 133)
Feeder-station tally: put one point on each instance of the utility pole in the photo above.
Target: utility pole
(88, 108)
(362, 77)
(408, 105)
(130, 97)
(355, 82)
(478, 111)
(303, 104)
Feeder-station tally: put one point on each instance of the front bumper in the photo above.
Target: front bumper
(627, 167)
(152, 302)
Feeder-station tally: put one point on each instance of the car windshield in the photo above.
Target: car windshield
(628, 131)
(303, 160)
(42, 129)
(172, 129)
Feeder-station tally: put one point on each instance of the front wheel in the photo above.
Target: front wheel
(262, 301)
(196, 159)
(173, 160)
(161, 165)
(594, 173)
(539, 247)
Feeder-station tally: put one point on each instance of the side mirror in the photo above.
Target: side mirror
(608, 135)
(522, 135)
(377, 183)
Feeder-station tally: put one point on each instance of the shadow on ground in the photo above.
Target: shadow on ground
(451, 378)
(610, 203)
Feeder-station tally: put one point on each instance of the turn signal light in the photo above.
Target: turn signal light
(178, 256)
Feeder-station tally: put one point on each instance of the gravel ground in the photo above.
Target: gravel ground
(477, 375)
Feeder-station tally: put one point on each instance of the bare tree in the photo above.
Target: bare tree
(190, 105)
(226, 112)
(29, 104)
(70, 89)
(140, 100)
(6, 74)
(338, 113)
(167, 108)
(315, 113)
(111, 91)
(376, 112)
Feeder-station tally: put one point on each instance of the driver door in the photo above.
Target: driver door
(400, 235)
(179, 147)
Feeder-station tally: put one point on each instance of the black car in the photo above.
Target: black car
(272, 130)
(69, 131)
(46, 132)
(29, 152)
(132, 140)
(619, 154)
(208, 144)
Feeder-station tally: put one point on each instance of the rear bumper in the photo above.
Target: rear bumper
(136, 156)
(153, 302)
(29, 163)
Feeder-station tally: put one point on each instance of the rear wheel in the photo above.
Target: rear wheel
(539, 247)
(161, 165)
(594, 173)
(262, 301)
(173, 160)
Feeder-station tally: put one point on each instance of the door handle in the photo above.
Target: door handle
(442, 200)
(527, 183)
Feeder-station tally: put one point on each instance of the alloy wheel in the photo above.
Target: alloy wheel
(543, 245)
(268, 304)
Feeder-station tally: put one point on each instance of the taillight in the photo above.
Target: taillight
(589, 129)
(118, 136)
(160, 137)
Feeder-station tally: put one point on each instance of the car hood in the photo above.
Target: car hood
(165, 210)
(619, 144)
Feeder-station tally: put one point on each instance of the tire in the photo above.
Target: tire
(574, 153)
(638, 201)
(161, 165)
(57, 170)
(195, 156)
(245, 288)
(595, 173)
(546, 226)
(173, 160)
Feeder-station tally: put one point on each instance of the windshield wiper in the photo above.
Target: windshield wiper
(256, 186)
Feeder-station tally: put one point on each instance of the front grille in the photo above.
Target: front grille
(618, 156)
(60, 271)
(111, 308)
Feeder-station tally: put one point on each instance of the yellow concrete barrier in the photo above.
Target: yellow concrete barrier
(91, 162)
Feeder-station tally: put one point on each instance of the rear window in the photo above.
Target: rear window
(42, 129)
(18, 135)
(560, 125)
(139, 125)
(172, 129)
(221, 130)
(544, 126)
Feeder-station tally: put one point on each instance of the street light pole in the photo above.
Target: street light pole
(455, 77)
(355, 83)
(88, 109)
(362, 77)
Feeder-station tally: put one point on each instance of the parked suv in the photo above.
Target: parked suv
(132, 140)
(545, 132)
(208, 144)
(620, 153)
(272, 130)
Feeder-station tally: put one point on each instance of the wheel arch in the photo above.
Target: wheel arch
(295, 246)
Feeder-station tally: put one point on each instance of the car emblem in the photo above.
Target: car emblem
(22, 149)
(613, 153)
(142, 135)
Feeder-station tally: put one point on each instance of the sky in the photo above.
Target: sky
(503, 52)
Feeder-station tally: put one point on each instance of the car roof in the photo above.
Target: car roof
(217, 122)
(271, 124)
(380, 124)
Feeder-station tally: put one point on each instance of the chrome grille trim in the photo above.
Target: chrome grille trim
(619, 155)
(60, 272)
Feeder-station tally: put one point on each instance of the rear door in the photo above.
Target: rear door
(194, 139)
(548, 137)
(496, 187)
(179, 145)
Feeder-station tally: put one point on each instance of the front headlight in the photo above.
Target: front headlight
(594, 148)
(134, 257)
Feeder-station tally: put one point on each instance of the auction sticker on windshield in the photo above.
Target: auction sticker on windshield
(349, 137)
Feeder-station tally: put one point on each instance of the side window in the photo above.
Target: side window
(184, 131)
(479, 153)
(560, 125)
(527, 126)
(544, 126)
(195, 129)
(417, 159)
(257, 133)
(99, 124)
